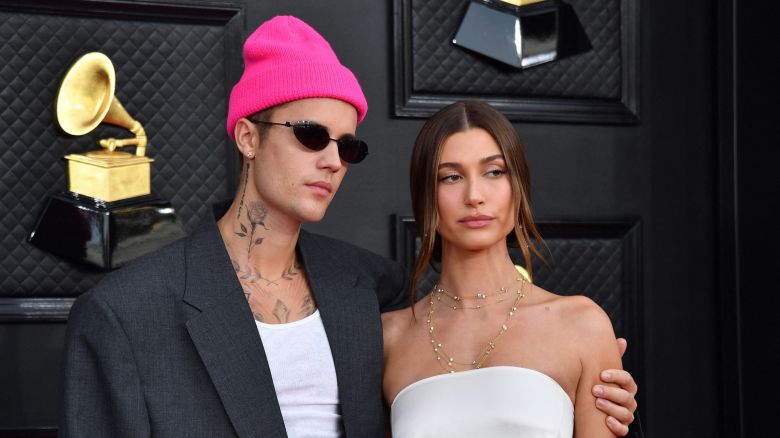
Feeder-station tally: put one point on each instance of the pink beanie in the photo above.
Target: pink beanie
(285, 60)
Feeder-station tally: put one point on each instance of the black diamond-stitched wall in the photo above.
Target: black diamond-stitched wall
(171, 76)
(592, 267)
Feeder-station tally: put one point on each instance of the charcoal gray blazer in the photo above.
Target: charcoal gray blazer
(168, 347)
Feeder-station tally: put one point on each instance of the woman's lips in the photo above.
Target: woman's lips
(476, 221)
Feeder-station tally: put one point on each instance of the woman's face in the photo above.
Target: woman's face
(474, 192)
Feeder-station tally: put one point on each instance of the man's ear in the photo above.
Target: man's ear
(247, 141)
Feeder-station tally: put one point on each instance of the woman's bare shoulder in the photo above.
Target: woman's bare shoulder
(587, 322)
(395, 324)
(577, 311)
(396, 317)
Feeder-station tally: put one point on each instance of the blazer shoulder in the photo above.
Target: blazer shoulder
(149, 275)
(353, 254)
(387, 277)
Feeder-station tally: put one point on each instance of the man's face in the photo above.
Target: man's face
(293, 182)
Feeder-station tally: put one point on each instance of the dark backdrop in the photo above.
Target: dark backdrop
(758, 203)
(703, 142)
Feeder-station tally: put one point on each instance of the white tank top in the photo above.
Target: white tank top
(304, 377)
(495, 402)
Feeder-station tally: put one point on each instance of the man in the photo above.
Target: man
(251, 326)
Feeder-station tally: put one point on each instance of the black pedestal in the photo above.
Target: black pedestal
(105, 234)
(522, 36)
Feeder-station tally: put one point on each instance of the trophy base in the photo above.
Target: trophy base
(102, 234)
(522, 33)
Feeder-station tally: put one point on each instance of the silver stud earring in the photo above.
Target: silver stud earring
(250, 154)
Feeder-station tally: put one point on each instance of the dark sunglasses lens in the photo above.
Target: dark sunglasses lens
(352, 150)
(313, 136)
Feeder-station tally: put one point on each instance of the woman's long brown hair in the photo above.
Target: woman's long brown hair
(460, 117)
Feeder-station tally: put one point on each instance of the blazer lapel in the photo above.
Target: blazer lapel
(350, 315)
(226, 337)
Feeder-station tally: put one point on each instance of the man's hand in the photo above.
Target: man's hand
(618, 403)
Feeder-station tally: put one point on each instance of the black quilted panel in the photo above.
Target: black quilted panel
(170, 76)
(593, 267)
(441, 67)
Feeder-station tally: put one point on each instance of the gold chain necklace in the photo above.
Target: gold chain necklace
(477, 296)
(446, 361)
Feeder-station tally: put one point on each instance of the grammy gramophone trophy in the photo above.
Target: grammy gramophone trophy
(108, 215)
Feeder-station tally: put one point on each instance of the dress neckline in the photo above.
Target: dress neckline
(438, 377)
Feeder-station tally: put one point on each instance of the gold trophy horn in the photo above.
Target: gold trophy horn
(86, 99)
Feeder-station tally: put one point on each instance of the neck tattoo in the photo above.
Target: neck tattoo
(252, 276)
(256, 214)
(243, 192)
(276, 301)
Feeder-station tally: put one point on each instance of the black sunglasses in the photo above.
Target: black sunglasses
(316, 137)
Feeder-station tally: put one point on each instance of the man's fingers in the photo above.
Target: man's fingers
(617, 427)
(621, 378)
(621, 412)
(622, 345)
(618, 403)
(616, 395)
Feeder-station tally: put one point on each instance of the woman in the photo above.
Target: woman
(487, 353)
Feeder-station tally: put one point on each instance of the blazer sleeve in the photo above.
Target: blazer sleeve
(102, 390)
(393, 289)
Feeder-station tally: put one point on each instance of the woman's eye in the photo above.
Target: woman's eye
(495, 172)
(449, 178)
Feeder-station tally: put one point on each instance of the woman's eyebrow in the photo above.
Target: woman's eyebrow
(452, 165)
(449, 165)
(492, 158)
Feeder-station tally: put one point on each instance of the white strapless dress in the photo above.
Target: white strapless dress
(493, 402)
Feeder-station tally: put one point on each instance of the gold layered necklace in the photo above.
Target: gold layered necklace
(446, 361)
(480, 297)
